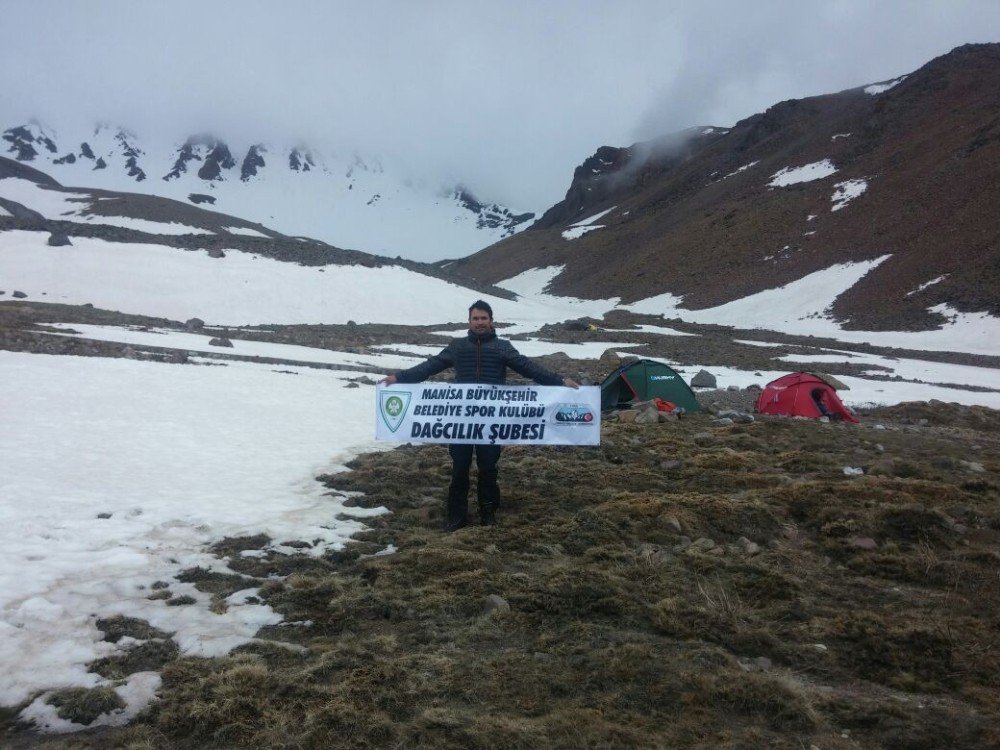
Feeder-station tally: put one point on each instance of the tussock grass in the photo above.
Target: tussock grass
(718, 602)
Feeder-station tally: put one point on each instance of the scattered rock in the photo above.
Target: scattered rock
(703, 379)
(194, 324)
(352, 385)
(863, 542)
(627, 416)
(104, 515)
(495, 603)
(674, 523)
(853, 471)
(19, 295)
(733, 388)
(609, 361)
(59, 239)
(648, 415)
(216, 253)
(723, 422)
(703, 543)
(177, 357)
(751, 548)
(974, 466)
(667, 416)
(737, 416)
(221, 341)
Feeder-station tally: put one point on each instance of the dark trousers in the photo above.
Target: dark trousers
(487, 457)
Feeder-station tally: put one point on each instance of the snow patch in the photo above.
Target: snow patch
(744, 168)
(245, 231)
(845, 192)
(881, 88)
(580, 228)
(193, 342)
(806, 173)
(926, 284)
(577, 232)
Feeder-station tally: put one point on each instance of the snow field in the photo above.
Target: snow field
(56, 204)
(178, 456)
(243, 289)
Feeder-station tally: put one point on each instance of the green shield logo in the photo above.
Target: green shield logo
(393, 406)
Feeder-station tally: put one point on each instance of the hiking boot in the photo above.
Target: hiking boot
(454, 525)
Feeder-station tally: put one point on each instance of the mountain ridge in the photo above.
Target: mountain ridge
(344, 199)
(710, 215)
(145, 219)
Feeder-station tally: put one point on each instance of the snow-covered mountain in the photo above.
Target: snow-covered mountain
(343, 199)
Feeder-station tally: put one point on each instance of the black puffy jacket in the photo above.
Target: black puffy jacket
(479, 359)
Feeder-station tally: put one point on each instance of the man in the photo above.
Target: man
(479, 357)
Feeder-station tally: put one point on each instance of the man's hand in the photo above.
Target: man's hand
(388, 380)
(570, 383)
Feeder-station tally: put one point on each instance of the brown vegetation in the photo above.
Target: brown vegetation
(739, 591)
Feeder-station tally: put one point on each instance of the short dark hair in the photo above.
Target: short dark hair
(480, 305)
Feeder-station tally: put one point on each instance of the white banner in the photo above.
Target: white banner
(488, 414)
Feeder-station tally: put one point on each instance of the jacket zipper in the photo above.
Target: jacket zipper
(479, 357)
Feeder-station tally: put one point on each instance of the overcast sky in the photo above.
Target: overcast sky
(507, 96)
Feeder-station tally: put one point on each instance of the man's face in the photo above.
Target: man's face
(480, 321)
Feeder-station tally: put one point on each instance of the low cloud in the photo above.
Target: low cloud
(504, 97)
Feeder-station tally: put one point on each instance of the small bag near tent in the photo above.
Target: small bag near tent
(803, 394)
(645, 380)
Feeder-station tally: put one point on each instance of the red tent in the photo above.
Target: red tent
(802, 394)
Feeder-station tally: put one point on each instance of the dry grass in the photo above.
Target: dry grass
(627, 628)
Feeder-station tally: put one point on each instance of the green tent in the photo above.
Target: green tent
(643, 380)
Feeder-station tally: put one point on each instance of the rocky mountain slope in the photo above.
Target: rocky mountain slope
(906, 168)
(342, 199)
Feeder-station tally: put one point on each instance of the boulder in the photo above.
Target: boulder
(628, 415)
(194, 324)
(221, 341)
(609, 362)
(495, 603)
(59, 239)
(216, 253)
(647, 415)
(19, 295)
(703, 379)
